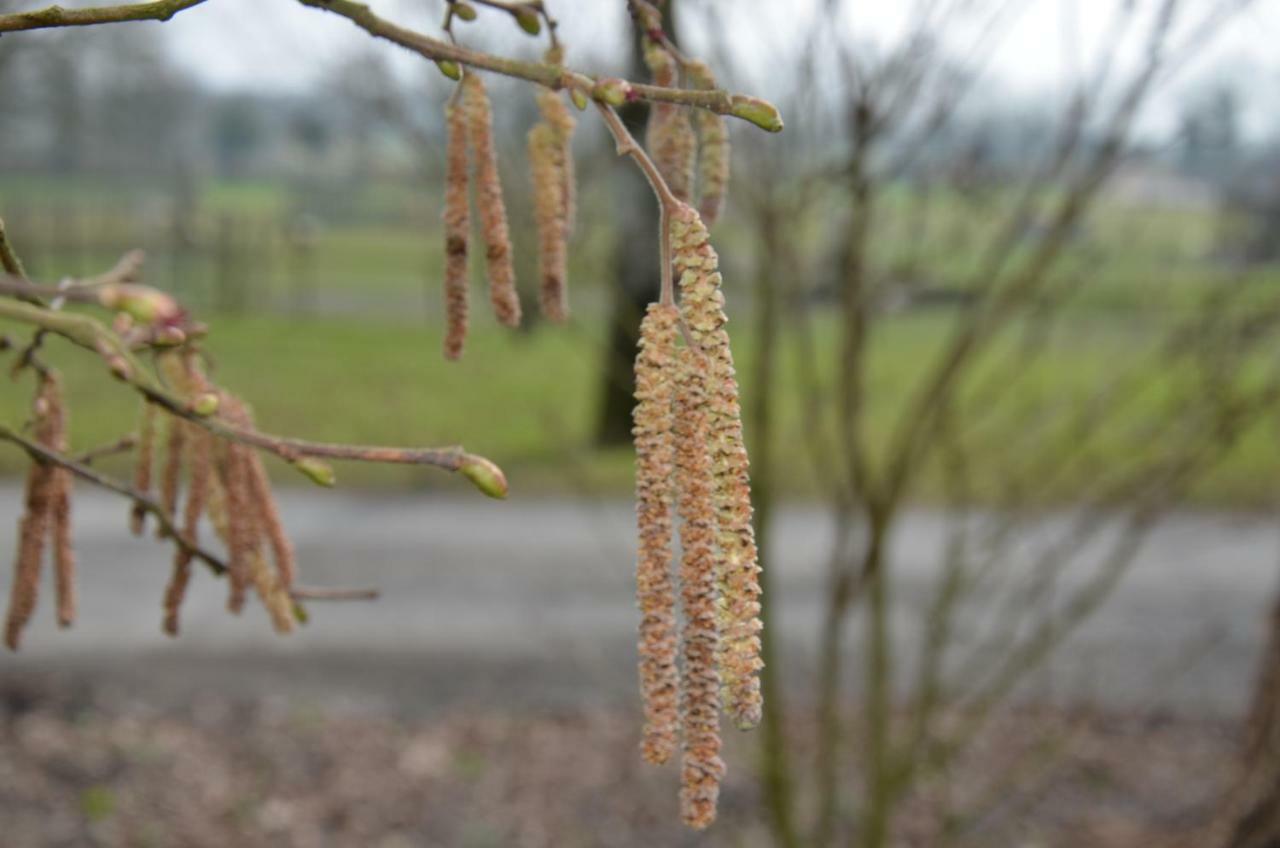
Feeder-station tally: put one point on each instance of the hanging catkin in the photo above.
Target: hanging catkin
(33, 527)
(548, 203)
(713, 148)
(493, 212)
(64, 555)
(557, 116)
(669, 136)
(701, 767)
(703, 313)
(655, 590)
(142, 465)
(457, 230)
(199, 464)
(171, 472)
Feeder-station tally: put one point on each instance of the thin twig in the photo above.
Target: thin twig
(57, 16)
(90, 333)
(758, 112)
(333, 593)
(124, 444)
(668, 203)
(42, 454)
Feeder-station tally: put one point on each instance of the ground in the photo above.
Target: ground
(85, 768)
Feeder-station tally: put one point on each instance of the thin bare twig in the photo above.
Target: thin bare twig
(56, 16)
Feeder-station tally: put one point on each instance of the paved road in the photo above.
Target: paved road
(531, 601)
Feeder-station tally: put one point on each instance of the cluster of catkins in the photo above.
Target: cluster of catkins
(691, 461)
(471, 157)
(690, 148)
(690, 454)
(46, 518)
(226, 482)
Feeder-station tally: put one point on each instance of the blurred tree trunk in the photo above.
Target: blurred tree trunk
(1256, 808)
(635, 270)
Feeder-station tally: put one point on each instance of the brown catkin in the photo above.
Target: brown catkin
(457, 230)
(655, 589)
(557, 116)
(669, 136)
(701, 767)
(142, 465)
(199, 463)
(702, 308)
(493, 212)
(171, 472)
(548, 203)
(33, 527)
(64, 555)
(713, 149)
(264, 507)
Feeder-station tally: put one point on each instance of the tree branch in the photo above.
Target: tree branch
(614, 91)
(56, 16)
(91, 334)
(40, 453)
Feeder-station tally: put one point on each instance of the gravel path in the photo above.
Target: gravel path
(531, 601)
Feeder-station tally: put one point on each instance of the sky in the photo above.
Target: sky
(279, 44)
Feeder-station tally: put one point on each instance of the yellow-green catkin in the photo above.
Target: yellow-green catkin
(200, 467)
(669, 136)
(558, 116)
(654, 433)
(702, 308)
(457, 231)
(701, 767)
(489, 202)
(713, 149)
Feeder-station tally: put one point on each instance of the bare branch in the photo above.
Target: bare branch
(56, 16)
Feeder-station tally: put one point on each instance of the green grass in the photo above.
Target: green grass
(529, 401)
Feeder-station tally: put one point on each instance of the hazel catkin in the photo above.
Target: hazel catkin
(701, 768)
(457, 231)
(489, 202)
(702, 303)
(669, 136)
(713, 149)
(655, 590)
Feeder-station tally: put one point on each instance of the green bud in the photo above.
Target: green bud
(486, 476)
(611, 90)
(300, 613)
(320, 472)
(205, 404)
(579, 98)
(762, 113)
(449, 68)
(528, 20)
(465, 11)
(143, 303)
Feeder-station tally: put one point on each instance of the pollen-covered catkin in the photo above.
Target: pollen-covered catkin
(713, 149)
(702, 308)
(701, 768)
(142, 465)
(457, 231)
(655, 589)
(548, 203)
(669, 137)
(493, 212)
